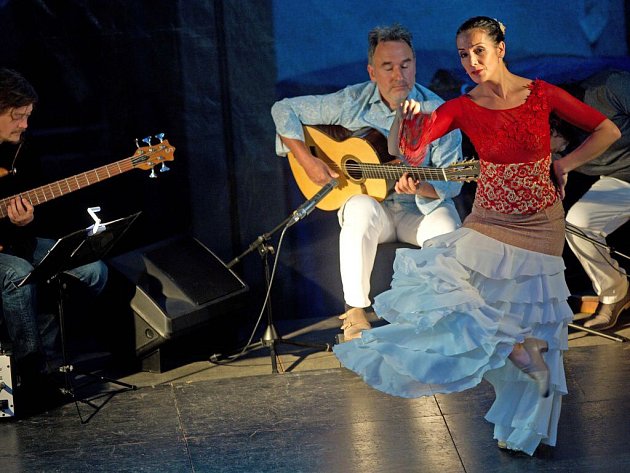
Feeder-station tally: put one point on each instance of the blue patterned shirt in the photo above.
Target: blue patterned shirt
(359, 106)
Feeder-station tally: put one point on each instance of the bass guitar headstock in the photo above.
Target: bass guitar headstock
(147, 157)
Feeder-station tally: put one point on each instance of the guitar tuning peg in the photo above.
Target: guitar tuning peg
(160, 136)
(164, 168)
(147, 140)
(153, 175)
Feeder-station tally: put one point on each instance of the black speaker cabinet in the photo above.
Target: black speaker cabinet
(180, 285)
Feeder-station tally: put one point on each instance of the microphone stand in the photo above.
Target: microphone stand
(573, 230)
(270, 338)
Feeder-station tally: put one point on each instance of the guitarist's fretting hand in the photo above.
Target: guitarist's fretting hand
(408, 185)
(20, 211)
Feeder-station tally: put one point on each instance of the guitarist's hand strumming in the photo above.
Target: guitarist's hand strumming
(317, 171)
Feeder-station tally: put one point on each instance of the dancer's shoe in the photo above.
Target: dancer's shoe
(536, 368)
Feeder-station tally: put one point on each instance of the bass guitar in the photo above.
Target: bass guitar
(146, 157)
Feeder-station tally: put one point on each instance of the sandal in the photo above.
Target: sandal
(354, 322)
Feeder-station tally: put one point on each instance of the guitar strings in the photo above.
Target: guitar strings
(64, 186)
(458, 171)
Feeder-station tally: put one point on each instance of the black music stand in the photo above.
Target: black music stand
(71, 251)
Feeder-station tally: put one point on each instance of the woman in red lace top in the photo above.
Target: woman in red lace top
(488, 300)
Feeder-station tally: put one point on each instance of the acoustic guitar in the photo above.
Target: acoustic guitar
(146, 157)
(364, 165)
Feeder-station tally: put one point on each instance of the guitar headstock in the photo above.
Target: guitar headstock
(463, 171)
(147, 157)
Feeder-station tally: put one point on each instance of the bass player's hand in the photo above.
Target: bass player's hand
(20, 211)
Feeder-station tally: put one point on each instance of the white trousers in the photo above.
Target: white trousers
(604, 208)
(365, 223)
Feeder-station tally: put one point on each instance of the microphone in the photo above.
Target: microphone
(308, 206)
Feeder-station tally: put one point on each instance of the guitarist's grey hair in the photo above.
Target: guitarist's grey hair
(380, 34)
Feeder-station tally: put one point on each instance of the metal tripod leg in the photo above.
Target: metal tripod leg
(615, 338)
(271, 338)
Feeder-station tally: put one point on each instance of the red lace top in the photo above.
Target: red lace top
(513, 144)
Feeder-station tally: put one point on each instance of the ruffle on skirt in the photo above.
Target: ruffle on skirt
(456, 308)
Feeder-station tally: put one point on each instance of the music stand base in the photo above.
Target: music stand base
(105, 379)
(71, 390)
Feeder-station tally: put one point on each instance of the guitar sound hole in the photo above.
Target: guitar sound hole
(353, 170)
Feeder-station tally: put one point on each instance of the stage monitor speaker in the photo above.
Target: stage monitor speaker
(179, 286)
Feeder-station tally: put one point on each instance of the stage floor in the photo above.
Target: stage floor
(317, 417)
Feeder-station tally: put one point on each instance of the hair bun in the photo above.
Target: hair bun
(501, 26)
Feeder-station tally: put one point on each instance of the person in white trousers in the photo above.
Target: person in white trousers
(605, 207)
(417, 210)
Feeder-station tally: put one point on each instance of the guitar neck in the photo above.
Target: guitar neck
(62, 187)
(395, 171)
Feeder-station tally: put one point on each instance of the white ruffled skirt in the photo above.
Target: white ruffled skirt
(456, 308)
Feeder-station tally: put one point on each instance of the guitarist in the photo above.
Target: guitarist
(21, 251)
(417, 210)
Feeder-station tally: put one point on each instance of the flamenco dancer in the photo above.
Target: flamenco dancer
(488, 300)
